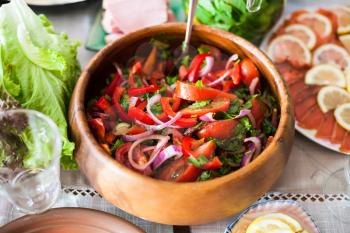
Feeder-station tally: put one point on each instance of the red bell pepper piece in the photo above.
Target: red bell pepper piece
(118, 92)
(215, 163)
(222, 129)
(142, 105)
(142, 90)
(98, 128)
(195, 67)
(217, 105)
(189, 145)
(209, 78)
(235, 73)
(137, 114)
(111, 87)
(182, 122)
(135, 129)
(135, 69)
(103, 104)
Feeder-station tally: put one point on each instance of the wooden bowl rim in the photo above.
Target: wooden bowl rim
(284, 99)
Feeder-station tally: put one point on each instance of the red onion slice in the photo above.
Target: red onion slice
(233, 58)
(166, 154)
(133, 101)
(209, 63)
(257, 144)
(220, 79)
(163, 124)
(248, 155)
(248, 113)
(252, 86)
(162, 141)
(154, 99)
(207, 117)
(135, 137)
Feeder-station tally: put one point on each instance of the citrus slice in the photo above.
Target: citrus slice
(325, 75)
(347, 77)
(342, 115)
(289, 48)
(292, 223)
(320, 24)
(345, 40)
(332, 54)
(330, 97)
(302, 32)
(261, 225)
(343, 19)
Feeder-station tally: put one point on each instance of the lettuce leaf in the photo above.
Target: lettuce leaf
(38, 67)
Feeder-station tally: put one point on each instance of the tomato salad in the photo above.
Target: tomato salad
(184, 119)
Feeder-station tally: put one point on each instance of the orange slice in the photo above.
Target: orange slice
(289, 48)
(320, 24)
(302, 32)
(332, 54)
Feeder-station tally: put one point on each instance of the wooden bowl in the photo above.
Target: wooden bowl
(168, 202)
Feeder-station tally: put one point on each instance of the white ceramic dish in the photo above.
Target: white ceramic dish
(51, 2)
(310, 134)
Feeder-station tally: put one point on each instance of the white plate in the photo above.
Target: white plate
(51, 2)
(310, 134)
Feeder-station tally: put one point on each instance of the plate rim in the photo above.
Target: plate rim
(51, 2)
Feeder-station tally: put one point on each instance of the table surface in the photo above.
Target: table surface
(309, 163)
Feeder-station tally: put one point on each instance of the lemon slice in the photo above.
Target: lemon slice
(342, 115)
(343, 19)
(325, 75)
(345, 40)
(302, 32)
(332, 54)
(347, 77)
(287, 47)
(330, 97)
(291, 222)
(317, 22)
(266, 225)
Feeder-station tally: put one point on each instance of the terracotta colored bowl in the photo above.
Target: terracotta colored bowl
(168, 202)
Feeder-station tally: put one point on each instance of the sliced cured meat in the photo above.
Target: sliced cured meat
(287, 48)
(319, 23)
(332, 38)
(306, 93)
(303, 107)
(304, 33)
(289, 73)
(325, 130)
(332, 54)
(343, 19)
(338, 134)
(345, 146)
(296, 87)
(312, 119)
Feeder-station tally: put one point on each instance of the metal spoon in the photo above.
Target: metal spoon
(190, 16)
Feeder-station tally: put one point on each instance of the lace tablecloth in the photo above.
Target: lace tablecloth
(309, 164)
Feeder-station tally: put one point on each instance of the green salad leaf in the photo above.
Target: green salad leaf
(39, 67)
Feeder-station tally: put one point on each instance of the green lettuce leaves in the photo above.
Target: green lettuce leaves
(38, 67)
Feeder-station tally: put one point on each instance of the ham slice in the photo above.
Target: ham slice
(130, 15)
(325, 130)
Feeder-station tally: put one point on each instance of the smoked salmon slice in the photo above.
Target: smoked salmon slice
(338, 134)
(345, 146)
(297, 87)
(312, 119)
(303, 107)
(310, 91)
(325, 130)
(290, 73)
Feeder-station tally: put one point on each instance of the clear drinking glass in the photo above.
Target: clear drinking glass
(30, 148)
(339, 183)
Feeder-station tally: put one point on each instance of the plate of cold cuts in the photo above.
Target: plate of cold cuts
(311, 49)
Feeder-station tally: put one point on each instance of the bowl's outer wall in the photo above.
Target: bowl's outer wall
(168, 202)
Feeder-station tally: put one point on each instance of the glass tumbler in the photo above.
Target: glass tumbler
(30, 148)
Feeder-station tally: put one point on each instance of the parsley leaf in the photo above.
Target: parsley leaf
(170, 80)
(234, 107)
(185, 61)
(124, 101)
(157, 108)
(203, 49)
(116, 145)
(200, 104)
(241, 92)
(199, 83)
(198, 162)
(268, 128)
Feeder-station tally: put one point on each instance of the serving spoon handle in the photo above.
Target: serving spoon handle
(190, 17)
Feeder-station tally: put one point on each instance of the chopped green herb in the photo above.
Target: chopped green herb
(268, 128)
(206, 175)
(185, 61)
(170, 80)
(202, 159)
(234, 107)
(157, 108)
(200, 104)
(198, 162)
(241, 92)
(116, 145)
(246, 123)
(159, 44)
(161, 90)
(199, 83)
(203, 49)
(165, 54)
(124, 101)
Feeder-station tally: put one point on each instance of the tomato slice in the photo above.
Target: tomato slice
(135, 129)
(192, 92)
(218, 105)
(182, 122)
(120, 110)
(189, 145)
(138, 114)
(209, 78)
(258, 111)
(186, 122)
(223, 129)
(215, 163)
(103, 104)
(248, 71)
(98, 128)
(236, 74)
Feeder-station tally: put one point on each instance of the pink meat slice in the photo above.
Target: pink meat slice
(345, 146)
(310, 91)
(290, 73)
(312, 119)
(338, 134)
(132, 15)
(325, 130)
(296, 87)
(303, 107)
